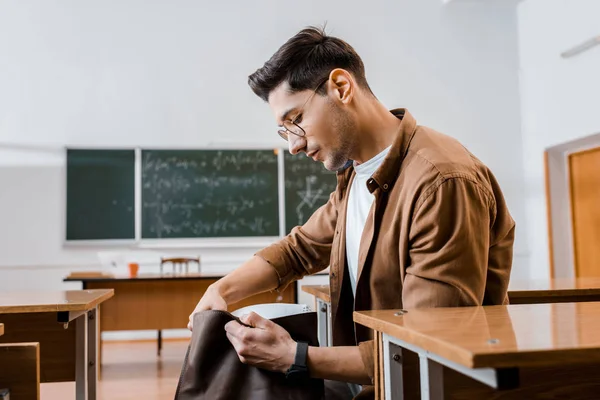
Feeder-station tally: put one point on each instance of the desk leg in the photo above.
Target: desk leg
(392, 366)
(432, 379)
(99, 341)
(92, 339)
(81, 357)
(86, 356)
(329, 327)
(322, 324)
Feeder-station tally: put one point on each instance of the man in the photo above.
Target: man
(415, 221)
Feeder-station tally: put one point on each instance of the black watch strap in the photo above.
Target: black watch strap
(301, 354)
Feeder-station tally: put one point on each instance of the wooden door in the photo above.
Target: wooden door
(584, 178)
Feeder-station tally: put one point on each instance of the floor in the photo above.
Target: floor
(131, 370)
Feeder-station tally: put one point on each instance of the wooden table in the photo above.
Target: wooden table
(560, 290)
(511, 352)
(520, 292)
(67, 350)
(161, 301)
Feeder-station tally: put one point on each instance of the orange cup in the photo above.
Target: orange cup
(133, 269)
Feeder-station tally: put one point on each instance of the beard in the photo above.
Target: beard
(343, 128)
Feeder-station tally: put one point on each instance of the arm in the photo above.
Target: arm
(307, 248)
(253, 277)
(340, 363)
(449, 246)
(304, 251)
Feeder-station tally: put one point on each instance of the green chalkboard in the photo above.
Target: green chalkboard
(100, 194)
(209, 193)
(308, 185)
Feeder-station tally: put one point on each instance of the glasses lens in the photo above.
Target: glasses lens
(283, 134)
(293, 128)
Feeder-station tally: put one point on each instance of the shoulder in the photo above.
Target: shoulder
(434, 158)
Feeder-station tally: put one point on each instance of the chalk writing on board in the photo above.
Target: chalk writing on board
(308, 186)
(310, 196)
(209, 193)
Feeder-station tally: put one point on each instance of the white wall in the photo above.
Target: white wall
(560, 97)
(173, 74)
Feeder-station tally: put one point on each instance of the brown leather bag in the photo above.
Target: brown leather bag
(213, 371)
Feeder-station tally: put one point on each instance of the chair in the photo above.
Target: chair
(178, 264)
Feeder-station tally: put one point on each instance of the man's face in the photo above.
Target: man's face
(328, 128)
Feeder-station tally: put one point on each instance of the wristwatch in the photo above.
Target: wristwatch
(299, 369)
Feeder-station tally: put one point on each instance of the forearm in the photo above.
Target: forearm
(340, 363)
(253, 277)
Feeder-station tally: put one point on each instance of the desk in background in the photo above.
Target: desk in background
(323, 307)
(525, 351)
(64, 325)
(520, 292)
(156, 302)
(559, 290)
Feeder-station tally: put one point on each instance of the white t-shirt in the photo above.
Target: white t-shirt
(359, 205)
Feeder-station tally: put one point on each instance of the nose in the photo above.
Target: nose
(296, 144)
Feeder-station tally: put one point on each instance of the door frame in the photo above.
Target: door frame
(558, 204)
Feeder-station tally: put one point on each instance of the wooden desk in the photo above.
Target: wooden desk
(511, 352)
(67, 351)
(561, 290)
(519, 292)
(1, 329)
(156, 302)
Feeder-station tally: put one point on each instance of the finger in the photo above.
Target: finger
(238, 330)
(242, 333)
(233, 340)
(255, 320)
(190, 324)
(238, 347)
(232, 326)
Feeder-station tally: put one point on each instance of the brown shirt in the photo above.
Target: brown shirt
(439, 234)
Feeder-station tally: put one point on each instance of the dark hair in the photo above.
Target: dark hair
(306, 60)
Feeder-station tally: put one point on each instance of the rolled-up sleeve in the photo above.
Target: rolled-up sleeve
(367, 353)
(306, 249)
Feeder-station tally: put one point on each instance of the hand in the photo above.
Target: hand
(211, 300)
(266, 345)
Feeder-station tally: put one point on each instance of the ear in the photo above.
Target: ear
(343, 85)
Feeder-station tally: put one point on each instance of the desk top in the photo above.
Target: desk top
(68, 300)
(498, 336)
(1, 329)
(554, 288)
(99, 277)
(521, 291)
(319, 291)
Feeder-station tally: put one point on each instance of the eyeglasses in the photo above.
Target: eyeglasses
(290, 125)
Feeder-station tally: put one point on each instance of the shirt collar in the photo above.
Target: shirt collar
(387, 173)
